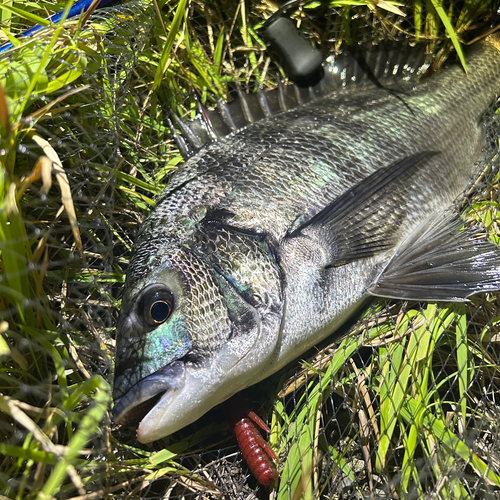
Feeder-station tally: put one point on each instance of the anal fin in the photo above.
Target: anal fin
(441, 261)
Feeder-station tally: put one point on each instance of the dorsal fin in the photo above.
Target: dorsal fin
(383, 65)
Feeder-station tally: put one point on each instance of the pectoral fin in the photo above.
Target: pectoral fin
(364, 220)
(441, 261)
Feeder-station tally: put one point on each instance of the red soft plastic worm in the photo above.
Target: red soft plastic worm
(255, 451)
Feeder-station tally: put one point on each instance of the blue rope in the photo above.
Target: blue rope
(77, 8)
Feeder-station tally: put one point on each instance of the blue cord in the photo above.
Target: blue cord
(77, 8)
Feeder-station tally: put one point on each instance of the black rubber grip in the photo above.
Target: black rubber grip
(302, 61)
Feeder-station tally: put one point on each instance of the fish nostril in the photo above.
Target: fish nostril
(120, 379)
(125, 326)
(124, 331)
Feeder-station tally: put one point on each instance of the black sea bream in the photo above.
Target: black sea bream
(268, 238)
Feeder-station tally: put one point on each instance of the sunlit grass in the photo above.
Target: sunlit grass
(61, 225)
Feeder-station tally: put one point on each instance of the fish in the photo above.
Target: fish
(294, 207)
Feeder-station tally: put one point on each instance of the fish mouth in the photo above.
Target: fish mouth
(143, 396)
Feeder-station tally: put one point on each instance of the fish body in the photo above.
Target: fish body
(267, 240)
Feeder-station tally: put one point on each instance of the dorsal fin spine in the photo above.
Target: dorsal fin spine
(187, 132)
(298, 95)
(185, 150)
(245, 106)
(281, 95)
(226, 115)
(264, 102)
(203, 112)
(378, 65)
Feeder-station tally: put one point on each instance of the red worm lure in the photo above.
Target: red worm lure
(256, 452)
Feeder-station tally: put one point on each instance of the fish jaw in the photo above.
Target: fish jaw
(178, 408)
(188, 389)
(169, 379)
(241, 363)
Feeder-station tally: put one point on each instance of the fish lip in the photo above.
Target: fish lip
(170, 377)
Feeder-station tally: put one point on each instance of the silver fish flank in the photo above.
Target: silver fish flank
(268, 239)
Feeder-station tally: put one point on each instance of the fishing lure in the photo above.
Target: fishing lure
(256, 452)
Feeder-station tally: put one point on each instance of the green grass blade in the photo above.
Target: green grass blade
(450, 30)
(439, 430)
(89, 425)
(218, 51)
(29, 16)
(166, 52)
(464, 369)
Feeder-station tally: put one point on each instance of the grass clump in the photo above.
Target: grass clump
(401, 406)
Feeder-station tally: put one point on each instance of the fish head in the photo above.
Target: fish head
(199, 322)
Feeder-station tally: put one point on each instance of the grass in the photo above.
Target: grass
(405, 402)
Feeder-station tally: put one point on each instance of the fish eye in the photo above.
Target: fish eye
(156, 305)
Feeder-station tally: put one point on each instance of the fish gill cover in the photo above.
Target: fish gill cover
(405, 405)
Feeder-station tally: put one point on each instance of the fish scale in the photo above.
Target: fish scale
(279, 161)
(345, 197)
